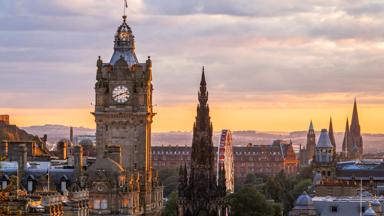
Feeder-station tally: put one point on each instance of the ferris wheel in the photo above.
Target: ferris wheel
(225, 158)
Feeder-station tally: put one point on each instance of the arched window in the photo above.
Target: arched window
(63, 184)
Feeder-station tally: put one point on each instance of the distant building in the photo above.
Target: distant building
(39, 188)
(303, 206)
(249, 159)
(5, 119)
(353, 141)
(265, 159)
(366, 205)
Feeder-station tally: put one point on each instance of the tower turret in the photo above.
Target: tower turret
(124, 45)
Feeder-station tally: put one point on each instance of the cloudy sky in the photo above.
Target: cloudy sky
(271, 65)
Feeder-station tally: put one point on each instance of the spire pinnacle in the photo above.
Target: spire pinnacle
(203, 82)
(331, 135)
(311, 126)
(203, 94)
(345, 140)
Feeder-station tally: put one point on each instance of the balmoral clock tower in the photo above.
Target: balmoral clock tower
(123, 110)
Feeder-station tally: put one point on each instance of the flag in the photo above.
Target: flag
(126, 4)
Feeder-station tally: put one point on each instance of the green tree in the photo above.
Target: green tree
(249, 202)
(170, 179)
(171, 205)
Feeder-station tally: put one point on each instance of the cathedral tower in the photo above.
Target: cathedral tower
(355, 140)
(202, 193)
(311, 142)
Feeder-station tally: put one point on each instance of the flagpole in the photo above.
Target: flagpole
(361, 196)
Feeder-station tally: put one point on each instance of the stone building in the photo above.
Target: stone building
(4, 119)
(249, 159)
(265, 159)
(121, 180)
(38, 188)
(200, 192)
(324, 162)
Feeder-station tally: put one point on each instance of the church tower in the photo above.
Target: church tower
(311, 142)
(355, 140)
(201, 193)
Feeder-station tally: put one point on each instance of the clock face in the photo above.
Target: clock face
(120, 94)
(123, 35)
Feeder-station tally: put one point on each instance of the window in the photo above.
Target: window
(104, 204)
(63, 186)
(4, 184)
(30, 186)
(96, 204)
(333, 208)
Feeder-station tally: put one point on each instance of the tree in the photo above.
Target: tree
(249, 202)
(170, 179)
(171, 205)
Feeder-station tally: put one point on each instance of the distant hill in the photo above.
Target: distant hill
(372, 142)
(57, 132)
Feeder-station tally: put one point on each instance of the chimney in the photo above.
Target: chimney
(78, 158)
(114, 153)
(21, 160)
(62, 149)
(71, 134)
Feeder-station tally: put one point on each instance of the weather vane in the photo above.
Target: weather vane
(125, 6)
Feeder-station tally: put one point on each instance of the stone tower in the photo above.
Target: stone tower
(123, 110)
(123, 114)
(324, 156)
(355, 140)
(311, 142)
(201, 193)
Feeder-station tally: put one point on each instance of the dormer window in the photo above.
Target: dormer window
(63, 184)
(30, 184)
(4, 182)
